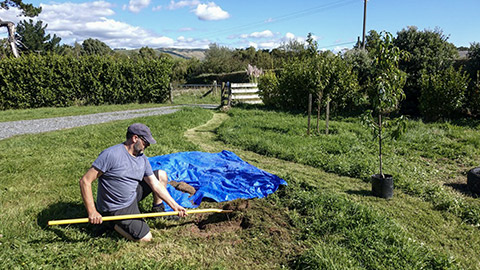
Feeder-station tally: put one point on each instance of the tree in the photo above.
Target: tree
(342, 84)
(473, 69)
(371, 41)
(95, 47)
(361, 64)
(33, 38)
(27, 10)
(219, 59)
(386, 85)
(443, 93)
(147, 53)
(430, 52)
(473, 64)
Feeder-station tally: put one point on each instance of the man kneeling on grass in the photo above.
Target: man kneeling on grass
(125, 178)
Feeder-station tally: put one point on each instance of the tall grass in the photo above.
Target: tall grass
(347, 235)
(421, 161)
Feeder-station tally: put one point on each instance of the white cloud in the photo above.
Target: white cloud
(289, 36)
(75, 22)
(190, 43)
(10, 15)
(263, 34)
(137, 5)
(211, 12)
(177, 5)
(186, 29)
(269, 45)
(181, 4)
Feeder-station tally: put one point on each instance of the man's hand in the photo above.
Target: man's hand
(182, 212)
(95, 218)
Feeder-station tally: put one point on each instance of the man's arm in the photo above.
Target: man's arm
(162, 192)
(86, 189)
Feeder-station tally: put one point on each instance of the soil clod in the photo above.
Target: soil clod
(183, 187)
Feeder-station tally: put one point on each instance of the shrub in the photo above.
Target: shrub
(36, 81)
(442, 93)
(268, 86)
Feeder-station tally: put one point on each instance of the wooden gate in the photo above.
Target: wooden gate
(240, 93)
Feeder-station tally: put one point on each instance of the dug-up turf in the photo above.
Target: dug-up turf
(208, 225)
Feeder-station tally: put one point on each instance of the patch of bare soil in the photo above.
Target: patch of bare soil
(218, 223)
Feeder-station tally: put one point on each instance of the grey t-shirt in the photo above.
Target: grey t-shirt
(122, 173)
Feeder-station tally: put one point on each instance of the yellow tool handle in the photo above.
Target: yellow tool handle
(133, 216)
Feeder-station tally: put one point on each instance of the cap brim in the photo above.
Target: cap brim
(150, 140)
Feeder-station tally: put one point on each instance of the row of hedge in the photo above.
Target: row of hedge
(34, 81)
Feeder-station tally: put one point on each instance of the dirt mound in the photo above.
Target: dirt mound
(237, 205)
(183, 187)
(218, 223)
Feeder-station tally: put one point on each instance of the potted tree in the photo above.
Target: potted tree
(385, 93)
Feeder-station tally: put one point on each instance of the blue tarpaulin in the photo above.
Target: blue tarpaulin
(218, 176)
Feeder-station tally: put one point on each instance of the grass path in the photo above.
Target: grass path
(437, 230)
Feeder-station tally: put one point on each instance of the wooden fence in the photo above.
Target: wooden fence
(198, 90)
(240, 93)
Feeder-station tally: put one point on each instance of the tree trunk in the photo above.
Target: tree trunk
(380, 143)
(11, 36)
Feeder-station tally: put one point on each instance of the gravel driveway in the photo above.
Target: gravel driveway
(12, 128)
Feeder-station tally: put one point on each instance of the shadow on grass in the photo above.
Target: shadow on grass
(462, 188)
(68, 210)
(365, 193)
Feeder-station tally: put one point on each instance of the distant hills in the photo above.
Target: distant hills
(175, 52)
(200, 53)
(184, 53)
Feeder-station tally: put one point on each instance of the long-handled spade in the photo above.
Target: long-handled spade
(133, 216)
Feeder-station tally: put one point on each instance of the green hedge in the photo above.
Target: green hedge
(34, 81)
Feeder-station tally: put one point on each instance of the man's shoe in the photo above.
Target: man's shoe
(161, 208)
(158, 208)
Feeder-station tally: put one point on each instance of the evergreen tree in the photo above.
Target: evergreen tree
(33, 37)
(95, 47)
(28, 10)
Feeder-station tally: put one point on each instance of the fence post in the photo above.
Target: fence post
(229, 85)
(171, 93)
(215, 88)
(309, 112)
(222, 94)
(326, 120)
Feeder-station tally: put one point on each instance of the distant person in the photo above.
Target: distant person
(125, 178)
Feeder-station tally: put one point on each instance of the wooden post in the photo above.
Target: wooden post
(328, 116)
(319, 104)
(215, 88)
(309, 112)
(222, 94)
(171, 93)
(229, 85)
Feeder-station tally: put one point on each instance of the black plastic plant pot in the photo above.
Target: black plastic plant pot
(473, 180)
(382, 186)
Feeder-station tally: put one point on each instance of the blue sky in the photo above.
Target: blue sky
(264, 24)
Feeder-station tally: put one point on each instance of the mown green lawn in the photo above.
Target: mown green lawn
(324, 219)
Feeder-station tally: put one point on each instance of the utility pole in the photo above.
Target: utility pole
(364, 22)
